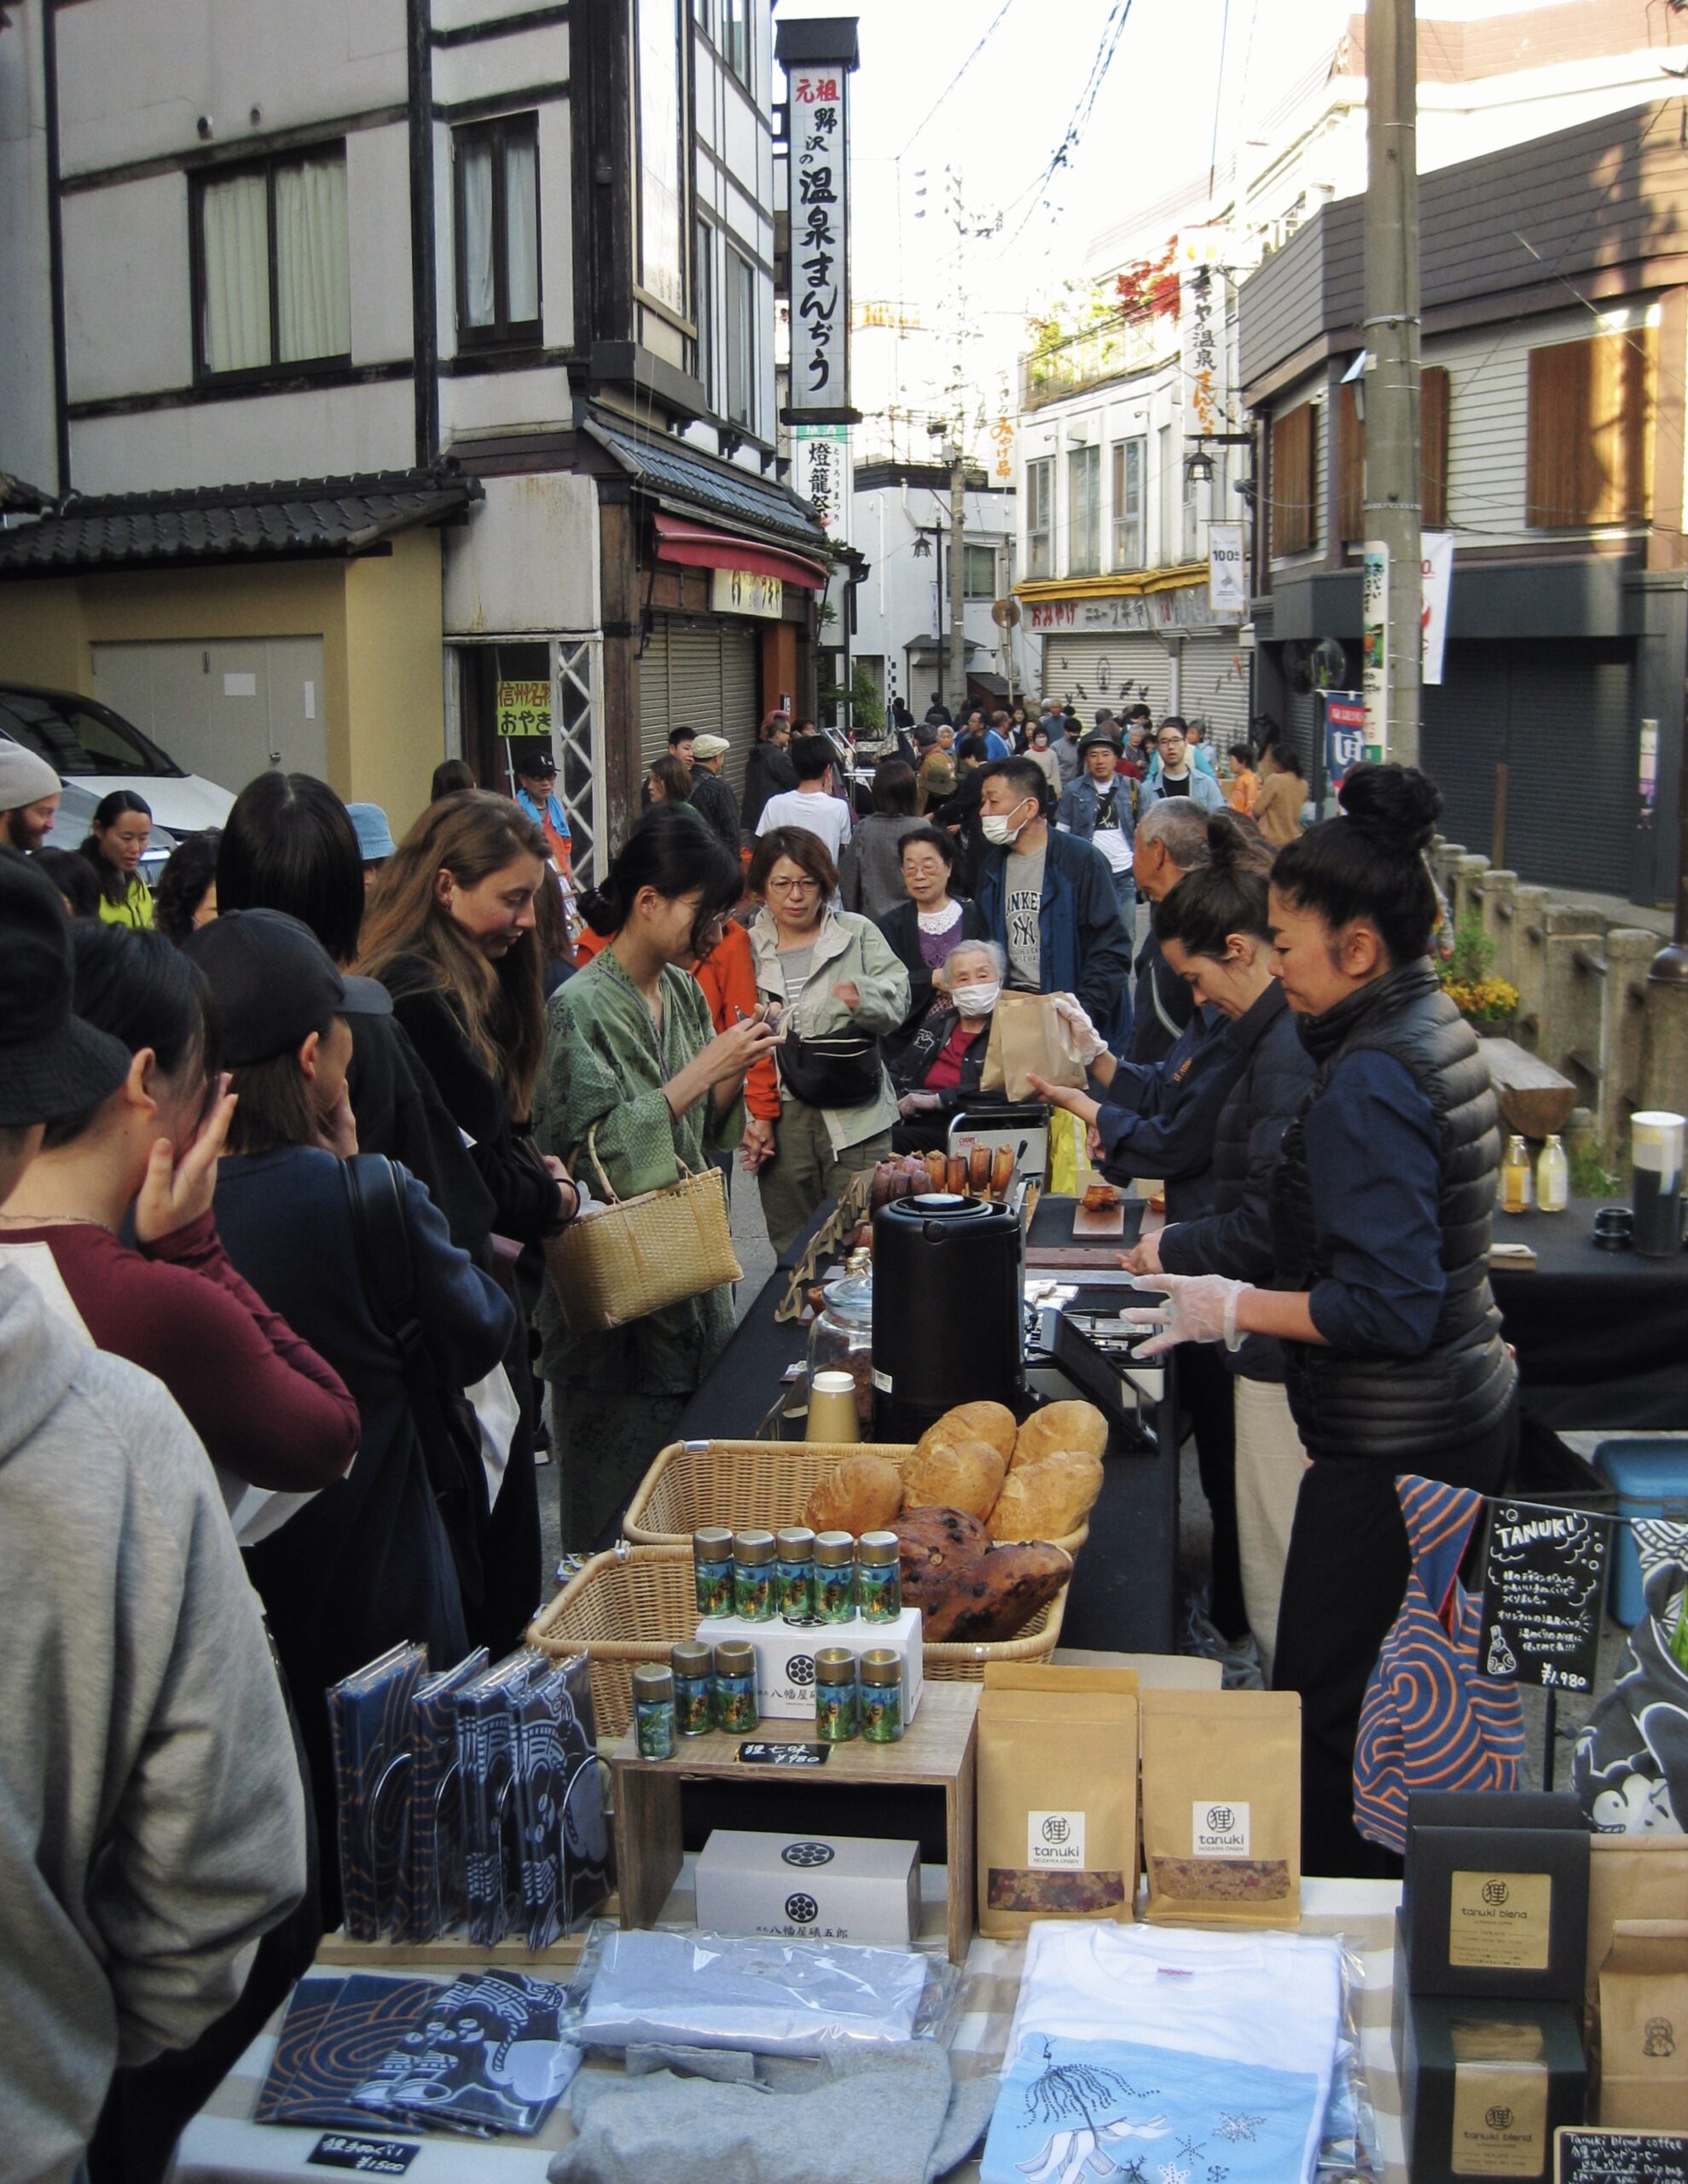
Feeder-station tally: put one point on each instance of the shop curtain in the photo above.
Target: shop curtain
(236, 236)
(476, 170)
(521, 222)
(313, 288)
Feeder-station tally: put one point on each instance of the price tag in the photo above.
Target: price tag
(374, 2157)
(1591, 2156)
(759, 1753)
(1544, 1585)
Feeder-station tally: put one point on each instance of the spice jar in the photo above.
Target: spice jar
(693, 1666)
(735, 1685)
(880, 1672)
(834, 1577)
(653, 1711)
(879, 1578)
(753, 1575)
(712, 1567)
(837, 1715)
(841, 1338)
(794, 1573)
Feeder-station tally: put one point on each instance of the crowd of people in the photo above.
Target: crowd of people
(284, 1140)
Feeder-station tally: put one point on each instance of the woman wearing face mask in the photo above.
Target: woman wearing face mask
(1381, 1214)
(923, 929)
(938, 1071)
(1215, 933)
(1035, 744)
(117, 839)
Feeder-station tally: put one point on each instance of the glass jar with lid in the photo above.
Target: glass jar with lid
(841, 1337)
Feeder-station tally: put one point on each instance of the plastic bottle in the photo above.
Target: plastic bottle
(1515, 1178)
(1552, 1178)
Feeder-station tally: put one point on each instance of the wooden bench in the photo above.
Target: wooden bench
(1536, 1099)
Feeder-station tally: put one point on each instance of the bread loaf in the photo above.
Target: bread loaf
(965, 1475)
(933, 1543)
(862, 1494)
(995, 1597)
(1060, 1425)
(973, 1422)
(1047, 1500)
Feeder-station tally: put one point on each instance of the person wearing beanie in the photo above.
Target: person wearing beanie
(29, 798)
(375, 838)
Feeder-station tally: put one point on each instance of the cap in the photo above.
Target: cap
(710, 747)
(23, 778)
(51, 1063)
(272, 983)
(536, 763)
(375, 836)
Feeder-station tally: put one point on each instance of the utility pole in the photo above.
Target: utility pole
(956, 675)
(1393, 589)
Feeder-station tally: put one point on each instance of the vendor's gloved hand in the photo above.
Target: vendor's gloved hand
(1198, 1308)
(1082, 1038)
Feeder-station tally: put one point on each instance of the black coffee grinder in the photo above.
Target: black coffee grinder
(948, 1310)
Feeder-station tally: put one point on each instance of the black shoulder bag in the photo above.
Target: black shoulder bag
(444, 1418)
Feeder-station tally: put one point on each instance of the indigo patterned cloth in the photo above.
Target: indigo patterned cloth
(1431, 1719)
(1631, 1766)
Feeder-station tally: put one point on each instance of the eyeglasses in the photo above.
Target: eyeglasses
(793, 887)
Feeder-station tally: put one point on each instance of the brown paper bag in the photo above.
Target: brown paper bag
(1221, 1807)
(1643, 2026)
(1057, 1796)
(1630, 1877)
(1025, 1037)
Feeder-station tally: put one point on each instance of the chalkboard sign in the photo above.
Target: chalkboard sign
(1591, 2156)
(1544, 1586)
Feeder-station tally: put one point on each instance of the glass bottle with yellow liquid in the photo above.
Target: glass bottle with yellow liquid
(1516, 1190)
(1552, 1178)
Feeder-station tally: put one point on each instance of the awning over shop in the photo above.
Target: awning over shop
(930, 647)
(697, 547)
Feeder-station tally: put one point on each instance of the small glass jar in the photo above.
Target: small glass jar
(794, 1573)
(736, 1686)
(753, 1575)
(834, 1577)
(879, 1578)
(712, 1565)
(693, 1667)
(837, 1715)
(841, 1338)
(653, 1711)
(880, 1672)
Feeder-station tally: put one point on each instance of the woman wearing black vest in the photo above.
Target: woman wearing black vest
(1381, 1212)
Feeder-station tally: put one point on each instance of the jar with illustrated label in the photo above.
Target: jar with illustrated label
(735, 1685)
(753, 1575)
(880, 1673)
(836, 1717)
(653, 1711)
(841, 1338)
(834, 1577)
(712, 1566)
(879, 1578)
(693, 1667)
(794, 1573)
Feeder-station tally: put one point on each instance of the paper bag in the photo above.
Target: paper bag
(1057, 1796)
(1221, 1807)
(1026, 1037)
(1630, 1877)
(1643, 2026)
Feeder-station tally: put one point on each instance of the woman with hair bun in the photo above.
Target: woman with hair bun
(1381, 1214)
(634, 1064)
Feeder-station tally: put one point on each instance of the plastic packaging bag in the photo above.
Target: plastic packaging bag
(771, 1997)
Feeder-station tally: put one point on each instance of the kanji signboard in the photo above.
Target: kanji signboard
(818, 200)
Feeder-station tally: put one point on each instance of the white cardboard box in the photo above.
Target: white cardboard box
(785, 1657)
(841, 1888)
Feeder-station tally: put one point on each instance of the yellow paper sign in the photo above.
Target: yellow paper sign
(524, 709)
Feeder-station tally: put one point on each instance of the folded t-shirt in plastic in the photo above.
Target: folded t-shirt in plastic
(1079, 2111)
(777, 1998)
(1267, 1999)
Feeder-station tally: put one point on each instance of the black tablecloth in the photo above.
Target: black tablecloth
(1601, 1337)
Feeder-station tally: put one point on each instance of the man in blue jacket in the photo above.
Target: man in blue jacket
(1046, 899)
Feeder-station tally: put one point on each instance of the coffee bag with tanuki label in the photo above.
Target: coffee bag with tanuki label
(1221, 1807)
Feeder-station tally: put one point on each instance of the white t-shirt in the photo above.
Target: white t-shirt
(822, 814)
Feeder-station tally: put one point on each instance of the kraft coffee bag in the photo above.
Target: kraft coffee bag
(1221, 1807)
(1643, 2026)
(1027, 1037)
(1057, 1796)
(1630, 1877)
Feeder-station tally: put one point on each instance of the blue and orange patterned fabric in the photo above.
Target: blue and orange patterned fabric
(1431, 1719)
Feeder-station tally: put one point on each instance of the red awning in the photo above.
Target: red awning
(700, 548)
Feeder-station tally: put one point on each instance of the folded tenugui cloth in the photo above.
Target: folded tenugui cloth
(893, 2115)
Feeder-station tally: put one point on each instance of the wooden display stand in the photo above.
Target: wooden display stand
(936, 1753)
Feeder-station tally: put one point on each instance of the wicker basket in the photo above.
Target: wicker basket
(631, 1605)
(746, 1483)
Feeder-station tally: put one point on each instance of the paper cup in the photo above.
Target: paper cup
(1655, 1145)
(832, 1409)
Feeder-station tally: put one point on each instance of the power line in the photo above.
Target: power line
(961, 71)
(1101, 62)
(1218, 99)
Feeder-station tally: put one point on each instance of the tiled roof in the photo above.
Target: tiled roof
(299, 516)
(667, 466)
(18, 497)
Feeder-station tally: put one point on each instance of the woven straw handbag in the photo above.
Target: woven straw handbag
(633, 1256)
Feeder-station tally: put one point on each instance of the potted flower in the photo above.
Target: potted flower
(1489, 1004)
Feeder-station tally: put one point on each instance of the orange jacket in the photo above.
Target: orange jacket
(727, 976)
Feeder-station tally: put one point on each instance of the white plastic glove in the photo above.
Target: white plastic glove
(1198, 1308)
(1084, 1041)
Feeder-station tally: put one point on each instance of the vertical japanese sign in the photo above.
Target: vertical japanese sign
(821, 474)
(1374, 626)
(1227, 577)
(818, 200)
(1203, 351)
(1438, 585)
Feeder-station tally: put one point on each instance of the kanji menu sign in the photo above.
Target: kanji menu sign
(818, 169)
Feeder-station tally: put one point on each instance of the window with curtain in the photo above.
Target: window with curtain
(1084, 511)
(1041, 517)
(662, 187)
(274, 287)
(496, 165)
(979, 571)
(1128, 483)
(740, 341)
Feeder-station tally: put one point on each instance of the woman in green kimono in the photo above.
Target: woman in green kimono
(631, 1053)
